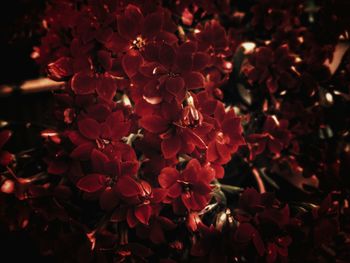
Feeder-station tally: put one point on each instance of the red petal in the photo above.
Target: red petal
(128, 187)
(157, 235)
(175, 190)
(154, 124)
(89, 128)
(108, 199)
(275, 146)
(184, 61)
(167, 55)
(153, 25)
(159, 195)
(168, 177)
(6, 158)
(193, 138)
(60, 69)
(4, 137)
(194, 80)
(106, 87)
(83, 83)
(131, 219)
(92, 182)
(143, 213)
(176, 86)
(129, 24)
(98, 160)
(117, 44)
(82, 152)
(171, 146)
(200, 61)
(131, 62)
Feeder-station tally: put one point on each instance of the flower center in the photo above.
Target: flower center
(138, 43)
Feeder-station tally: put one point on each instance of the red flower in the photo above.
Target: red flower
(192, 185)
(176, 128)
(94, 134)
(272, 67)
(173, 70)
(275, 137)
(140, 198)
(87, 82)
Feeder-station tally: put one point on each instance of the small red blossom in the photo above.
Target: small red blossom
(191, 186)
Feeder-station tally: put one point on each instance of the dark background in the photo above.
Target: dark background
(19, 31)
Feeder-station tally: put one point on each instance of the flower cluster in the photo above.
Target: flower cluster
(169, 110)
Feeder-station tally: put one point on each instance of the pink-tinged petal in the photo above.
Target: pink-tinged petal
(168, 177)
(131, 218)
(187, 17)
(109, 199)
(167, 55)
(83, 151)
(200, 61)
(194, 80)
(175, 190)
(60, 69)
(92, 182)
(83, 83)
(143, 213)
(89, 128)
(154, 124)
(128, 187)
(170, 147)
(4, 137)
(98, 160)
(176, 86)
(152, 25)
(106, 88)
(130, 23)
(131, 62)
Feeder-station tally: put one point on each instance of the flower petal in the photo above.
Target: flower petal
(194, 80)
(83, 83)
(92, 182)
(89, 128)
(154, 124)
(168, 177)
(143, 213)
(128, 187)
(131, 62)
(171, 146)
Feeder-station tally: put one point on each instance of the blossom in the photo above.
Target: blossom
(192, 185)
